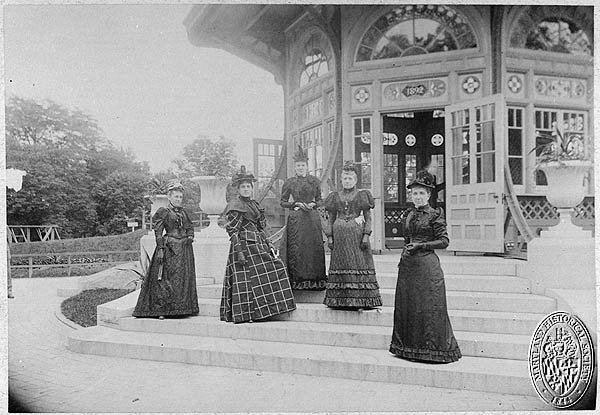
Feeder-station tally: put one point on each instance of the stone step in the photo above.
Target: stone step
(471, 373)
(482, 283)
(455, 265)
(462, 320)
(457, 300)
(501, 346)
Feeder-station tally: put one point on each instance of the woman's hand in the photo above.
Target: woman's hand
(160, 254)
(241, 258)
(303, 206)
(364, 244)
(413, 247)
(330, 242)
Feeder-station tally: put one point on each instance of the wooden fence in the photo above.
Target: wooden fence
(58, 256)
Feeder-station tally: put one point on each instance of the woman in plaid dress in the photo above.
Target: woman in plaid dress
(256, 284)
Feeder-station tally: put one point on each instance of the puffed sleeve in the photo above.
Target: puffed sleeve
(330, 205)
(440, 231)
(188, 225)
(366, 200)
(158, 224)
(366, 203)
(286, 191)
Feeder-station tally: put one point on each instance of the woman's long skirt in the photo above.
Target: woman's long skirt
(174, 294)
(422, 329)
(351, 282)
(257, 290)
(303, 251)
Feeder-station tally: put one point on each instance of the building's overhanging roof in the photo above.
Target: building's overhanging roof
(253, 32)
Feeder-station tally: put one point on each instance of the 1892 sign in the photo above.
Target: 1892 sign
(561, 359)
(410, 90)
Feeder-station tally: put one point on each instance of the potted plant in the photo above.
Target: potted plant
(561, 156)
(157, 189)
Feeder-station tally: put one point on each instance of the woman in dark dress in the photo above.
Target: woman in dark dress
(351, 284)
(422, 329)
(256, 285)
(302, 244)
(169, 288)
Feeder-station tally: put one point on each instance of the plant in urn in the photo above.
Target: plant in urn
(561, 156)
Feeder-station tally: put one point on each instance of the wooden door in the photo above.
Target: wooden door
(475, 154)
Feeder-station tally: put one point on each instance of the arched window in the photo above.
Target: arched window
(552, 29)
(416, 30)
(314, 62)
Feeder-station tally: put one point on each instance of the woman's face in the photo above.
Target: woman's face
(245, 189)
(301, 167)
(176, 198)
(348, 180)
(420, 195)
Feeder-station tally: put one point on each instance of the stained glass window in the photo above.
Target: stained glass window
(538, 31)
(315, 62)
(416, 30)
(390, 178)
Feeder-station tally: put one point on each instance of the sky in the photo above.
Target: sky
(133, 69)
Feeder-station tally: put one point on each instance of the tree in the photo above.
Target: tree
(207, 157)
(119, 197)
(76, 178)
(50, 124)
(56, 191)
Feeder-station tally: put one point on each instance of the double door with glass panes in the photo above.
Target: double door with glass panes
(412, 141)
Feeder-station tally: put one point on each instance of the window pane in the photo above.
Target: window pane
(391, 193)
(488, 137)
(514, 142)
(365, 170)
(516, 169)
(410, 172)
(486, 164)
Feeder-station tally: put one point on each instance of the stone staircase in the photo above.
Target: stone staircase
(492, 311)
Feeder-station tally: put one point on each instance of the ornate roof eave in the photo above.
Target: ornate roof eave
(203, 32)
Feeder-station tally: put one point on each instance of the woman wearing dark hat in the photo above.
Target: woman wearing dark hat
(169, 288)
(351, 283)
(422, 329)
(302, 245)
(256, 285)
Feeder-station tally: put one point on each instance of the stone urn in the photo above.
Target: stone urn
(211, 246)
(212, 200)
(566, 187)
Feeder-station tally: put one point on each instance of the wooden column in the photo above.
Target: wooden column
(378, 236)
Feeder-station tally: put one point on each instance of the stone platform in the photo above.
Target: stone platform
(491, 308)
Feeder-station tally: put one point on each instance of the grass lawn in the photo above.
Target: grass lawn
(81, 308)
